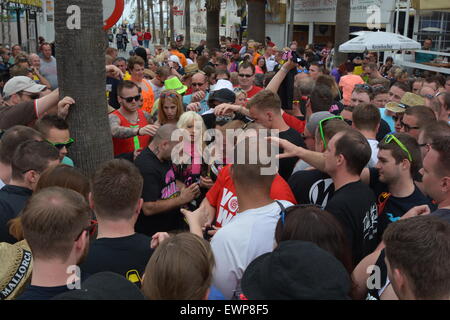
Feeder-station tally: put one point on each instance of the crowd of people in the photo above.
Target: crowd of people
(361, 189)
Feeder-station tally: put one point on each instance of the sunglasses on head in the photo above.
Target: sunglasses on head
(130, 99)
(168, 95)
(245, 75)
(321, 123)
(89, 229)
(390, 137)
(285, 211)
(364, 87)
(60, 145)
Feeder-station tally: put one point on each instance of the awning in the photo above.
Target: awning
(430, 4)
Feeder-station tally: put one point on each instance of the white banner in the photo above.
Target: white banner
(325, 10)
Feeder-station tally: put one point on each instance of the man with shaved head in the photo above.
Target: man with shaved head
(162, 197)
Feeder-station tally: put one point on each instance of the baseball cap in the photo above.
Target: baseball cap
(179, 38)
(409, 99)
(223, 95)
(296, 270)
(314, 120)
(21, 83)
(222, 84)
(15, 269)
(174, 58)
(104, 286)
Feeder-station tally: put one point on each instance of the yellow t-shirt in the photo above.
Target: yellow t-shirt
(127, 76)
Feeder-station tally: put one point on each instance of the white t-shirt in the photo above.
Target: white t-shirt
(374, 157)
(250, 234)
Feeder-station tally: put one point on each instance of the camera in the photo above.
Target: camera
(295, 58)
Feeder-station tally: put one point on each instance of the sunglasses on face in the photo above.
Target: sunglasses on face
(130, 99)
(321, 123)
(302, 70)
(195, 84)
(32, 96)
(245, 75)
(407, 127)
(390, 137)
(60, 145)
(89, 229)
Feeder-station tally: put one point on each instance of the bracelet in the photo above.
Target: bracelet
(138, 132)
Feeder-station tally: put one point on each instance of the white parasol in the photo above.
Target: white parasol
(379, 41)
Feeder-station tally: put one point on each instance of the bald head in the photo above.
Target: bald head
(164, 133)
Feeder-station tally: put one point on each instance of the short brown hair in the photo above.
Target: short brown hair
(366, 117)
(331, 128)
(52, 220)
(442, 146)
(423, 114)
(245, 65)
(265, 99)
(245, 170)
(435, 130)
(179, 269)
(32, 155)
(135, 60)
(127, 84)
(399, 154)
(420, 247)
(116, 189)
(355, 149)
(12, 138)
(49, 121)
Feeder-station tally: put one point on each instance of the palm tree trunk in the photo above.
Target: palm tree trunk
(171, 27)
(142, 16)
(342, 30)
(137, 25)
(256, 29)
(84, 80)
(187, 22)
(150, 7)
(161, 23)
(212, 23)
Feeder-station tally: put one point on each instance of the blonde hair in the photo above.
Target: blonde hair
(162, 118)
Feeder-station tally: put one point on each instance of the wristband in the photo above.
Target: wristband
(138, 132)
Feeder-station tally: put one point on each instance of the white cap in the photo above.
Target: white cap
(222, 84)
(21, 83)
(174, 58)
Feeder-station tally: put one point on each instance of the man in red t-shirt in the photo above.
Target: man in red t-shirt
(246, 77)
(147, 38)
(140, 36)
(221, 205)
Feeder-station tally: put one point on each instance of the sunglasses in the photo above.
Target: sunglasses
(60, 145)
(247, 124)
(302, 70)
(89, 229)
(390, 137)
(245, 75)
(321, 123)
(194, 84)
(407, 127)
(285, 211)
(168, 95)
(32, 96)
(364, 87)
(130, 99)
(428, 96)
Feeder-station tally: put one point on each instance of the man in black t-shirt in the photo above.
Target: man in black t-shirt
(353, 203)
(392, 181)
(162, 198)
(116, 199)
(57, 225)
(265, 109)
(314, 186)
